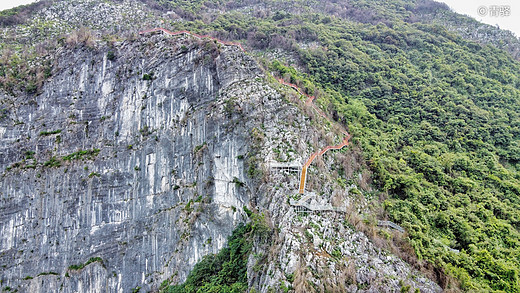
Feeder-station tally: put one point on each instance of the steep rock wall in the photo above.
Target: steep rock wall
(135, 160)
(158, 195)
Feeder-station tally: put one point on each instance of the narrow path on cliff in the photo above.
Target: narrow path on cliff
(344, 143)
(309, 101)
(157, 29)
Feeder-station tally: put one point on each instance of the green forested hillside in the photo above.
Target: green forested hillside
(436, 115)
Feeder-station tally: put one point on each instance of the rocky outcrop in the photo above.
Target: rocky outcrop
(319, 251)
(130, 157)
(135, 160)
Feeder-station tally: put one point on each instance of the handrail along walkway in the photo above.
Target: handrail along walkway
(157, 29)
(344, 143)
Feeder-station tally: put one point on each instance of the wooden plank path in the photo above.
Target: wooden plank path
(160, 29)
(309, 206)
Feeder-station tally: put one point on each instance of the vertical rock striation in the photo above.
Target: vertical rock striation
(135, 161)
(128, 160)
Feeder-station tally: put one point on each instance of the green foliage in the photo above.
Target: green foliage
(188, 207)
(81, 266)
(3, 113)
(83, 154)
(434, 134)
(253, 169)
(56, 162)
(237, 182)
(259, 226)
(48, 273)
(92, 174)
(148, 76)
(31, 87)
(248, 212)
(222, 272)
(145, 131)
(405, 289)
(227, 270)
(336, 254)
(111, 55)
(29, 162)
(290, 278)
(199, 147)
(45, 133)
(52, 162)
(229, 106)
(284, 288)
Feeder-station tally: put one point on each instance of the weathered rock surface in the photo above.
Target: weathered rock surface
(130, 166)
(319, 251)
(159, 194)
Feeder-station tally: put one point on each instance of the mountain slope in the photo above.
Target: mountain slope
(433, 117)
(136, 158)
(436, 116)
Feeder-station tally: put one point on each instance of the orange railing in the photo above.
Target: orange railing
(344, 143)
(157, 29)
(303, 176)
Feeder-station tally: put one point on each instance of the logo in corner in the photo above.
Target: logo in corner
(482, 10)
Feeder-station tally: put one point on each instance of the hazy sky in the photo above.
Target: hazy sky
(468, 7)
(486, 8)
(6, 4)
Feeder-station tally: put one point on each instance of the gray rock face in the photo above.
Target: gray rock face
(155, 186)
(135, 161)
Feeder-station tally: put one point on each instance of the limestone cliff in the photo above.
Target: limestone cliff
(149, 186)
(135, 160)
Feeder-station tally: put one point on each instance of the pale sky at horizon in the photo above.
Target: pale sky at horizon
(467, 7)
(471, 8)
(6, 4)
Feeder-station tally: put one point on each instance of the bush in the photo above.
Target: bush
(91, 260)
(83, 154)
(111, 55)
(52, 162)
(45, 133)
(148, 76)
(222, 272)
(31, 87)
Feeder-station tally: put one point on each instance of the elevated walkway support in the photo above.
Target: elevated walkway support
(284, 168)
(308, 203)
(389, 224)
